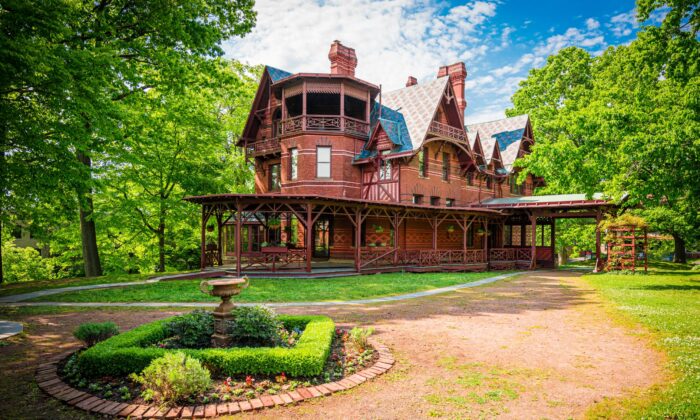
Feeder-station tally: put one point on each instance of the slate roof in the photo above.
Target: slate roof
(277, 74)
(507, 133)
(417, 104)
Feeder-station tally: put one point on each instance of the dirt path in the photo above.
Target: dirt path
(538, 346)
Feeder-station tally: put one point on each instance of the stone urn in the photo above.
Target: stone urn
(225, 288)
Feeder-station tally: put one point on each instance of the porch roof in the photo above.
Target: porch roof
(476, 209)
(551, 201)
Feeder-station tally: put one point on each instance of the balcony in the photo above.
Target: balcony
(323, 123)
(447, 131)
(265, 147)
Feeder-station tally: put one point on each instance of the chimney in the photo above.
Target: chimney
(343, 59)
(458, 75)
(411, 81)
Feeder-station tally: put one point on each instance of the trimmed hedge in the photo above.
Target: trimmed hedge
(129, 352)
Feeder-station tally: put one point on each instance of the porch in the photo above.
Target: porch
(274, 235)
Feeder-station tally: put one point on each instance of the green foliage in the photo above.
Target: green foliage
(624, 123)
(359, 337)
(91, 333)
(132, 351)
(255, 326)
(24, 264)
(193, 330)
(174, 377)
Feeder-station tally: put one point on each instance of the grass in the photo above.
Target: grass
(667, 302)
(278, 290)
(33, 286)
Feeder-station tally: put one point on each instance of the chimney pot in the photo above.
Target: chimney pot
(343, 59)
(411, 81)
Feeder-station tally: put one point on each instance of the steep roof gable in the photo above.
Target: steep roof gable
(417, 104)
(507, 133)
(269, 75)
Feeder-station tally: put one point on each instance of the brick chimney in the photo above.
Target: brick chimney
(458, 75)
(411, 81)
(343, 59)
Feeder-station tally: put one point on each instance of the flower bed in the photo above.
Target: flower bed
(132, 351)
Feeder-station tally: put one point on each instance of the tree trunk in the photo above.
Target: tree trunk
(161, 248)
(88, 233)
(678, 249)
(2, 276)
(563, 255)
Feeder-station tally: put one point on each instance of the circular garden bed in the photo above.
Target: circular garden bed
(123, 376)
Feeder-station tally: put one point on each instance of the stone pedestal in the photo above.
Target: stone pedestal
(224, 288)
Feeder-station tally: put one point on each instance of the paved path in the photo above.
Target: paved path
(407, 296)
(9, 328)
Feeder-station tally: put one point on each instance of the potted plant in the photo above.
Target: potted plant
(482, 232)
(210, 227)
(378, 229)
(378, 242)
(450, 228)
(274, 223)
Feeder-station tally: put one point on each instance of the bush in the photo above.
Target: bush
(91, 333)
(359, 337)
(23, 264)
(256, 326)
(193, 330)
(173, 377)
(132, 351)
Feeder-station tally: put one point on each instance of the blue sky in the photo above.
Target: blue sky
(498, 40)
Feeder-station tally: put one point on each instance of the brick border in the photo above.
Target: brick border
(48, 380)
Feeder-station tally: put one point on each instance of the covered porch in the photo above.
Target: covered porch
(299, 235)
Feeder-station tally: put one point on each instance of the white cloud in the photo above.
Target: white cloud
(505, 36)
(392, 38)
(572, 37)
(592, 24)
(624, 23)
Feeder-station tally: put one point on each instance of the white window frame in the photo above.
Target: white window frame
(323, 167)
(293, 163)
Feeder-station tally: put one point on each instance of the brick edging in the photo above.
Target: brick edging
(48, 380)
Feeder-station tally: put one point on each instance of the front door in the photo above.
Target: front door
(323, 236)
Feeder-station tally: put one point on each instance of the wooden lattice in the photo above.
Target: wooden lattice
(627, 248)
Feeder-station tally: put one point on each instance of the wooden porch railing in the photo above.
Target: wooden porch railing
(420, 257)
(444, 130)
(324, 123)
(265, 147)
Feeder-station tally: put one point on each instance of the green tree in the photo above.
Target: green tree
(65, 66)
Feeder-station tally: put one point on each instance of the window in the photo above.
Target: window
(445, 166)
(423, 162)
(385, 168)
(450, 202)
(488, 182)
(293, 160)
(470, 236)
(323, 162)
(274, 177)
(434, 201)
(470, 178)
(515, 188)
(417, 199)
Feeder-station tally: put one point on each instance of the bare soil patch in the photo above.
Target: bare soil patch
(537, 346)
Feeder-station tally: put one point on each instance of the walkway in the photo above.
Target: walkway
(19, 298)
(9, 328)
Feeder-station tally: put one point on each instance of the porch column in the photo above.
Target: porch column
(303, 105)
(219, 242)
(464, 239)
(358, 239)
(435, 227)
(598, 259)
(395, 225)
(309, 237)
(552, 247)
(533, 241)
(342, 106)
(202, 255)
(239, 222)
(485, 238)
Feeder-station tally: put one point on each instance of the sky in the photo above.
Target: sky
(499, 40)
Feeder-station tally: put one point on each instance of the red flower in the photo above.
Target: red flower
(249, 380)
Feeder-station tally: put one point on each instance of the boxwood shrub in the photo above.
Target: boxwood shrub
(132, 351)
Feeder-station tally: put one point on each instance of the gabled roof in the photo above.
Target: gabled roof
(507, 133)
(417, 104)
(394, 125)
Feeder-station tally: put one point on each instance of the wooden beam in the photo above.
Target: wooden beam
(358, 239)
(533, 241)
(202, 255)
(598, 258)
(309, 236)
(239, 221)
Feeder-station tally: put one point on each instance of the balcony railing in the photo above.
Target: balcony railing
(330, 123)
(444, 130)
(265, 147)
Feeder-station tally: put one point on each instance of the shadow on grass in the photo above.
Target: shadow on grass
(664, 287)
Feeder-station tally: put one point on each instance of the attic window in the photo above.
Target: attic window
(385, 168)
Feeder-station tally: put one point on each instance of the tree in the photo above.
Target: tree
(627, 129)
(67, 65)
(178, 142)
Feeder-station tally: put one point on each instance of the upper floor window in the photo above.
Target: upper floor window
(489, 183)
(450, 202)
(293, 161)
(323, 162)
(385, 167)
(445, 166)
(470, 178)
(274, 177)
(434, 201)
(417, 199)
(423, 162)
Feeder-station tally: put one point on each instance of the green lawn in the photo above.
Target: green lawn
(33, 286)
(667, 302)
(279, 290)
